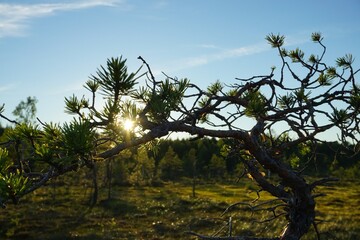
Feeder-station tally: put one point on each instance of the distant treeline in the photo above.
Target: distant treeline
(212, 159)
(208, 159)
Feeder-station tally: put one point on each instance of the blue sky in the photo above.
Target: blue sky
(49, 48)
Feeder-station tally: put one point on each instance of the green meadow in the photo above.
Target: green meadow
(60, 211)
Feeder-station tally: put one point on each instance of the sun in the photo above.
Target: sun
(128, 125)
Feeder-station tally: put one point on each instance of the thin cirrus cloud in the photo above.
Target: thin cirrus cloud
(14, 18)
(219, 55)
(4, 88)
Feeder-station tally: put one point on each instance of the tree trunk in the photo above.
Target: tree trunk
(109, 177)
(94, 197)
(194, 180)
(297, 192)
(301, 214)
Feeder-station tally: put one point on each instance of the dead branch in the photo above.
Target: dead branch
(229, 238)
(323, 182)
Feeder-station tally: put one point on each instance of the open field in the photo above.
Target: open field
(167, 212)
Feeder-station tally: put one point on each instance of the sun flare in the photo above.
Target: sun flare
(128, 125)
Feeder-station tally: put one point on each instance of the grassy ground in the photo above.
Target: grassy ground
(167, 212)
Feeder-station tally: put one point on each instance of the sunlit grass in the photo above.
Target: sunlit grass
(166, 212)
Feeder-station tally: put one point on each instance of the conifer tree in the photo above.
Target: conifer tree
(300, 99)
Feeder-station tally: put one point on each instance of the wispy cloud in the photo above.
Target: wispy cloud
(159, 4)
(220, 55)
(209, 46)
(7, 87)
(14, 18)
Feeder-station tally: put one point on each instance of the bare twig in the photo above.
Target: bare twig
(316, 230)
(323, 182)
(229, 238)
(8, 119)
(148, 67)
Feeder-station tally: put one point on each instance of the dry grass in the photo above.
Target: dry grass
(166, 212)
